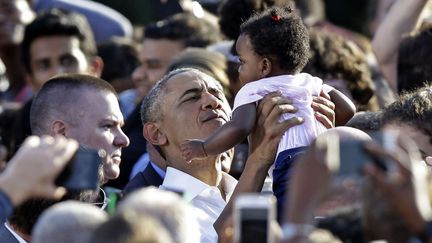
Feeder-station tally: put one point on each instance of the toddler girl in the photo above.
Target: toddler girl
(273, 47)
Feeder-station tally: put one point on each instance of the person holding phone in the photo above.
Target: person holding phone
(84, 108)
(22, 180)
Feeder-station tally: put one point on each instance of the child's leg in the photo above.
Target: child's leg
(282, 174)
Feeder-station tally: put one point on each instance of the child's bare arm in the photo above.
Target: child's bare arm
(233, 132)
(344, 107)
(224, 138)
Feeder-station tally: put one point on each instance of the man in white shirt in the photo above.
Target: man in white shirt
(188, 104)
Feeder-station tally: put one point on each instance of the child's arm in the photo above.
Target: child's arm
(344, 107)
(224, 138)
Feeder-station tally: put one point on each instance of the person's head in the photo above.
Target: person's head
(14, 15)
(233, 12)
(341, 64)
(120, 57)
(175, 214)
(86, 109)
(68, 222)
(164, 39)
(57, 42)
(274, 42)
(415, 55)
(366, 121)
(185, 104)
(25, 216)
(209, 62)
(129, 227)
(412, 114)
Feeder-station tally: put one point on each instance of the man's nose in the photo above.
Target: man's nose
(121, 140)
(211, 102)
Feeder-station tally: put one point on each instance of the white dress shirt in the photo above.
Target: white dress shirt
(206, 200)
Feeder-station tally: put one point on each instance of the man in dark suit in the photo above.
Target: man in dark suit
(148, 177)
(152, 175)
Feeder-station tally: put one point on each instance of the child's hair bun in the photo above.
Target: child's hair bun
(275, 17)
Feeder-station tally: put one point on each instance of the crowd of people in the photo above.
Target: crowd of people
(210, 101)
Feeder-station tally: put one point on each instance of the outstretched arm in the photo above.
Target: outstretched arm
(225, 137)
(233, 132)
(344, 107)
(401, 19)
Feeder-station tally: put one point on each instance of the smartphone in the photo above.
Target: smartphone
(82, 172)
(253, 216)
(353, 156)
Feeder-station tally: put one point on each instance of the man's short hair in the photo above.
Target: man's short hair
(151, 105)
(168, 207)
(59, 95)
(129, 227)
(68, 222)
(367, 121)
(185, 27)
(414, 109)
(58, 22)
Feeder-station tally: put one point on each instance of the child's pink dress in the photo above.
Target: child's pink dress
(299, 88)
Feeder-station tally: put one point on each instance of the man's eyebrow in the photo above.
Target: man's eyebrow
(189, 91)
(117, 121)
(215, 90)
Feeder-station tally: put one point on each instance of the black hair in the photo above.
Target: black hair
(333, 57)
(25, 216)
(58, 22)
(185, 27)
(280, 35)
(414, 60)
(414, 109)
(234, 12)
(120, 58)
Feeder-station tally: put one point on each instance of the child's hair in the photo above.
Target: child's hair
(280, 35)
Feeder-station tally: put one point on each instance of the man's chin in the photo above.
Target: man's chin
(111, 173)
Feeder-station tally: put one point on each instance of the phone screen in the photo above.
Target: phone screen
(353, 157)
(81, 173)
(253, 225)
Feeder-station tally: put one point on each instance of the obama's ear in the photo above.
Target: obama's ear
(153, 134)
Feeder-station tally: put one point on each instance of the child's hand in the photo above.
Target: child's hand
(193, 149)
